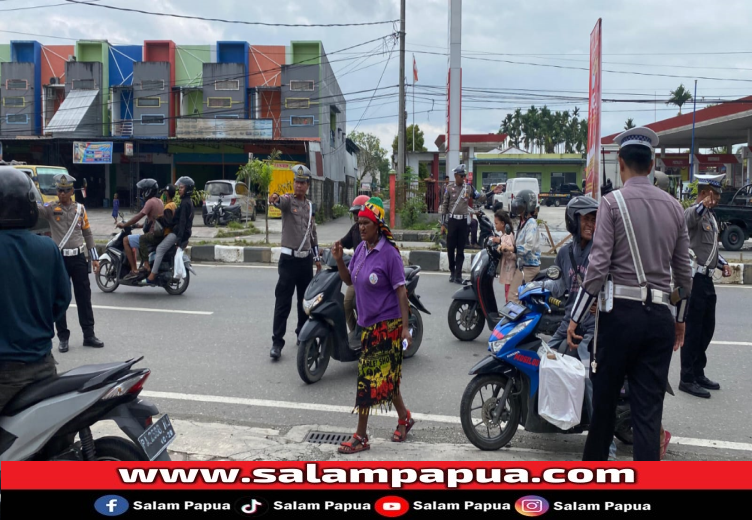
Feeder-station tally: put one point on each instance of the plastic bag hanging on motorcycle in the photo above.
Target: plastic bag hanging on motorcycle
(179, 267)
(562, 388)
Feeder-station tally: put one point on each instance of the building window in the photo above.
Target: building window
(14, 102)
(83, 84)
(17, 119)
(297, 103)
(152, 84)
(17, 84)
(152, 119)
(301, 121)
(227, 84)
(219, 102)
(148, 102)
(227, 116)
(299, 85)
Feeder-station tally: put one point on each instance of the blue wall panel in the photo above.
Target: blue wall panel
(31, 52)
(122, 58)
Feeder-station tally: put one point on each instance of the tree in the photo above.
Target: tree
(419, 140)
(629, 124)
(384, 167)
(371, 153)
(261, 174)
(679, 97)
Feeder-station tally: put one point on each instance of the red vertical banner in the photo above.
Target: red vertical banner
(592, 170)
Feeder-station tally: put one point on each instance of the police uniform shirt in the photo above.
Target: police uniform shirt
(703, 236)
(61, 218)
(454, 192)
(662, 241)
(295, 213)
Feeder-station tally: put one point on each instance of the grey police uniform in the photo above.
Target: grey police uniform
(637, 336)
(703, 239)
(455, 215)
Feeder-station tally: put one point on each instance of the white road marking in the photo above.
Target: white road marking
(446, 419)
(139, 309)
(738, 343)
(732, 286)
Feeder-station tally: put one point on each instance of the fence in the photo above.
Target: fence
(429, 189)
(322, 194)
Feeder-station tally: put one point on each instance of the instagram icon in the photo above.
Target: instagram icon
(531, 505)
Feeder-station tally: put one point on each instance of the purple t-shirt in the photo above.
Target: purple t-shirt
(376, 274)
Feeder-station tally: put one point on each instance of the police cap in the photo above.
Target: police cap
(302, 174)
(63, 181)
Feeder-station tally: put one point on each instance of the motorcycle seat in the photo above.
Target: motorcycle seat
(70, 381)
(411, 271)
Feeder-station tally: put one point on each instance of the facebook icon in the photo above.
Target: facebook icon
(111, 505)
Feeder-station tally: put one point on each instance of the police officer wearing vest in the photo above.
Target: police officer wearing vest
(640, 239)
(703, 239)
(456, 205)
(300, 250)
(69, 227)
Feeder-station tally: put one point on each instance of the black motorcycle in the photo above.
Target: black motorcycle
(222, 215)
(325, 335)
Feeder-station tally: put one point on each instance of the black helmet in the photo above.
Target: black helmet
(187, 182)
(578, 206)
(148, 188)
(18, 205)
(524, 203)
(170, 190)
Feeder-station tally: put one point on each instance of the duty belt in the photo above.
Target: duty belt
(705, 271)
(73, 252)
(458, 217)
(302, 254)
(640, 294)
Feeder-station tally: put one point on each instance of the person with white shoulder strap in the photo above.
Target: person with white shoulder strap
(640, 240)
(70, 230)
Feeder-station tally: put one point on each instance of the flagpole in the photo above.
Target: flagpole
(692, 155)
(413, 102)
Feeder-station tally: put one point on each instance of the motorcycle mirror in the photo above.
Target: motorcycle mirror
(553, 272)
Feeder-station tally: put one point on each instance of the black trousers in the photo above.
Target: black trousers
(78, 270)
(635, 340)
(14, 377)
(456, 238)
(700, 328)
(294, 274)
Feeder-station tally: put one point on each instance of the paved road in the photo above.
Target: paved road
(210, 362)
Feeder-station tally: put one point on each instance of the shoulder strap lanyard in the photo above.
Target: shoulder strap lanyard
(457, 202)
(575, 266)
(64, 241)
(715, 241)
(308, 229)
(641, 279)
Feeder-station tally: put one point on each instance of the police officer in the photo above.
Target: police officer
(456, 205)
(640, 237)
(300, 250)
(69, 227)
(703, 239)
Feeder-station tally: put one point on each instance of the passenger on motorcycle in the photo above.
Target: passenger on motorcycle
(527, 241)
(170, 208)
(153, 210)
(351, 241)
(36, 289)
(184, 217)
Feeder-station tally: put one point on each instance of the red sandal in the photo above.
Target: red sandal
(407, 423)
(355, 445)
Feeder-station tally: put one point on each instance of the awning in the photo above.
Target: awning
(73, 110)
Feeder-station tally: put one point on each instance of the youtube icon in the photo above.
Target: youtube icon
(392, 506)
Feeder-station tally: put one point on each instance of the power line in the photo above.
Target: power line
(38, 7)
(241, 22)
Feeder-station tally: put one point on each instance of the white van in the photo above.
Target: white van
(514, 187)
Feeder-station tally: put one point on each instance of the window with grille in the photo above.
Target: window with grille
(297, 103)
(152, 84)
(17, 84)
(152, 120)
(17, 119)
(214, 102)
(83, 84)
(228, 84)
(148, 102)
(301, 85)
(14, 102)
(301, 121)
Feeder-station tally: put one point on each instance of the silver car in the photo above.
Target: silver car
(233, 194)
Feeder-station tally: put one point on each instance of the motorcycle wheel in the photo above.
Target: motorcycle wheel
(416, 329)
(557, 203)
(117, 449)
(625, 435)
(176, 288)
(484, 431)
(107, 279)
(465, 328)
(313, 358)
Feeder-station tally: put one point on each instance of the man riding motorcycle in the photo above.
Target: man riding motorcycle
(351, 241)
(153, 210)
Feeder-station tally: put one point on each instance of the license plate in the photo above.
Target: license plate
(157, 437)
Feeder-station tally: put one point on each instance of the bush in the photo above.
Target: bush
(338, 210)
(412, 211)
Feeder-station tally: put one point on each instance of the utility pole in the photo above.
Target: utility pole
(401, 137)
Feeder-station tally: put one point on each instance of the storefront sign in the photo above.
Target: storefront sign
(225, 128)
(129, 149)
(92, 153)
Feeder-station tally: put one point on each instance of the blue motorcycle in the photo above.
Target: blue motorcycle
(504, 392)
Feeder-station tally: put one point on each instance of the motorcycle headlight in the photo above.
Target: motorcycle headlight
(496, 346)
(309, 305)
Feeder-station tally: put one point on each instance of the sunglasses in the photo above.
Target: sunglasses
(64, 190)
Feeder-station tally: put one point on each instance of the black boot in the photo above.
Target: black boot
(275, 352)
(93, 341)
(707, 383)
(63, 346)
(694, 389)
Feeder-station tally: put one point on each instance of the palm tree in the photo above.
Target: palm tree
(629, 124)
(679, 96)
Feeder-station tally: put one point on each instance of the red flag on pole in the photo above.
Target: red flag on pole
(415, 70)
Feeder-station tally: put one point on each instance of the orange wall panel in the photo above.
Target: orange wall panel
(54, 58)
(264, 65)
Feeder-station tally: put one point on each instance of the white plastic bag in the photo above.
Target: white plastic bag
(179, 267)
(562, 389)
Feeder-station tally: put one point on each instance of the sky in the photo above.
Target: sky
(689, 39)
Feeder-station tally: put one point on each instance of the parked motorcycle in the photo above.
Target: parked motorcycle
(325, 335)
(504, 392)
(222, 215)
(114, 266)
(42, 421)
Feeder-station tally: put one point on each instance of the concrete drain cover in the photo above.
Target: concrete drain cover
(327, 437)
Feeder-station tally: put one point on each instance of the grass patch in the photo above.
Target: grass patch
(236, 229)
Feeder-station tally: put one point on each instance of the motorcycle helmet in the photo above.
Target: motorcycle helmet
(18, 205)
(576, 207)
(661, 180)
(170, 190)
(524, 203)
(148, 188)
(187, 182)
(358, 203)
